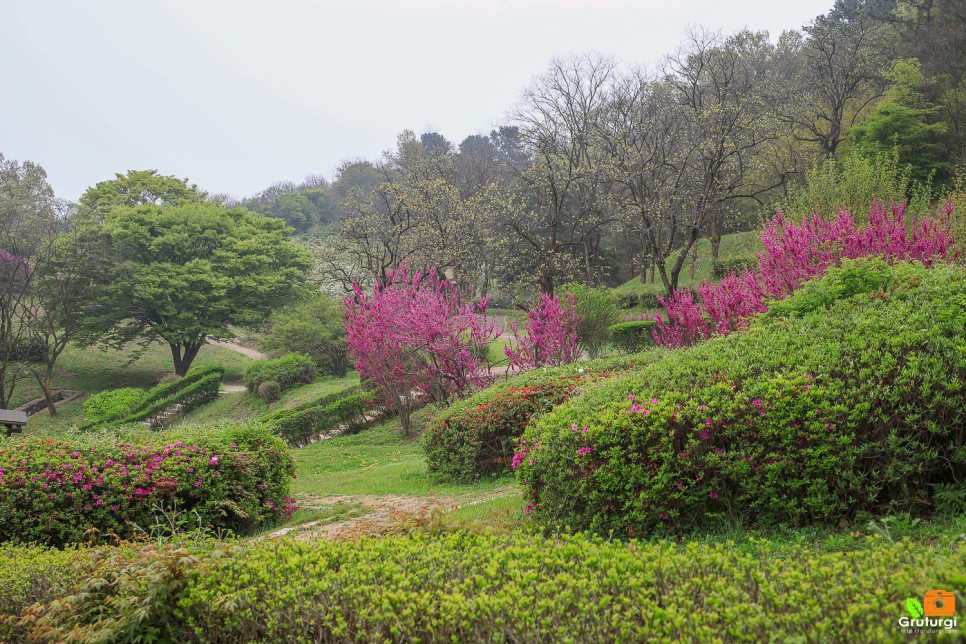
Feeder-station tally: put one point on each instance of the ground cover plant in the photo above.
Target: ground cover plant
(467, 586)
(847, 397)
(62, 491)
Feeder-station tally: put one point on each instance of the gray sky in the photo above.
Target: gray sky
(236, 95)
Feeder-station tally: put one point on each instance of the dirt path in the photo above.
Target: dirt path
(254, 354)
(378, 513)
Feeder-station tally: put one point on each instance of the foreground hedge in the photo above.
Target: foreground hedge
(849, 396)
(471, 587)
(53, 492)
(478, 436)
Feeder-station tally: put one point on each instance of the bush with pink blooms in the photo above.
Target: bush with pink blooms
(551, 337)
(57, 492)
(418, 336)
(795, 253)
(847, 397)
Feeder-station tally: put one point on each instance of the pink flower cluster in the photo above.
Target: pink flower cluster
(795, 253)
(418, 333)
(551, 337)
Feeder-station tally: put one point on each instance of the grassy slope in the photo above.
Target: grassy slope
(378, 460)
(94, 369)
(731, 246)
(241, 406)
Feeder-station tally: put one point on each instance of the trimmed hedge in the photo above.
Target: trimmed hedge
(288, 371)
(633, 300)
(478, 436)
(112, 403)
(197, 388)
(300, 426)
(848, 396)
(634, 336)
(466, 587)
(52, 492)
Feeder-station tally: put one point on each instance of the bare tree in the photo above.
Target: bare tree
(563, 211)
(833, 75)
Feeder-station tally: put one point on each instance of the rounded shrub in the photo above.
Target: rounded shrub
(848, 396)
(54, 492)
(269, 391)
(478, 436)
(633, 336)
(288, 371)
(111, 403)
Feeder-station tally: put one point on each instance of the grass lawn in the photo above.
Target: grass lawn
(94, 369)
(378, 460)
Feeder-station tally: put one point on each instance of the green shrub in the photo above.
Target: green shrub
(269, 391)
(839, 400)
(288, 371)
(478, 436)
(31, 574)
(321, 401)
(300, 425)
(631, 337)
(112, 403)
(597, 312)
(626, 300)
(52, 492)
(458, 586)
(734, 265)
(197, 388)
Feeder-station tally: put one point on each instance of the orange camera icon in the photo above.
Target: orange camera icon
(939, 603)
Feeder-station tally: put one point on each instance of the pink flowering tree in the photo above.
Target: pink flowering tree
(416, 335)
(795, 253)
(551, 336)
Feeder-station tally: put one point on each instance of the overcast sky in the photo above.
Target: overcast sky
(236, 94)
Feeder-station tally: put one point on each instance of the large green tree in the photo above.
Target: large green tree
(136, 188)
(185, 273)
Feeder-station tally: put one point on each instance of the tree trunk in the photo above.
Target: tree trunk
(184, 355)
(46, 385)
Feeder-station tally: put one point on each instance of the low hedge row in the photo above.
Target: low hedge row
(478, 436)
(511, 588)
(634, 336)
(289, 370)
(198, 387)
(300, 426)
(848, 396)
(53, 492)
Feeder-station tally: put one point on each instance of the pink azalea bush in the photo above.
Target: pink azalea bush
(551, 337)
(417, 335)
(795, 253)
(60, 492)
